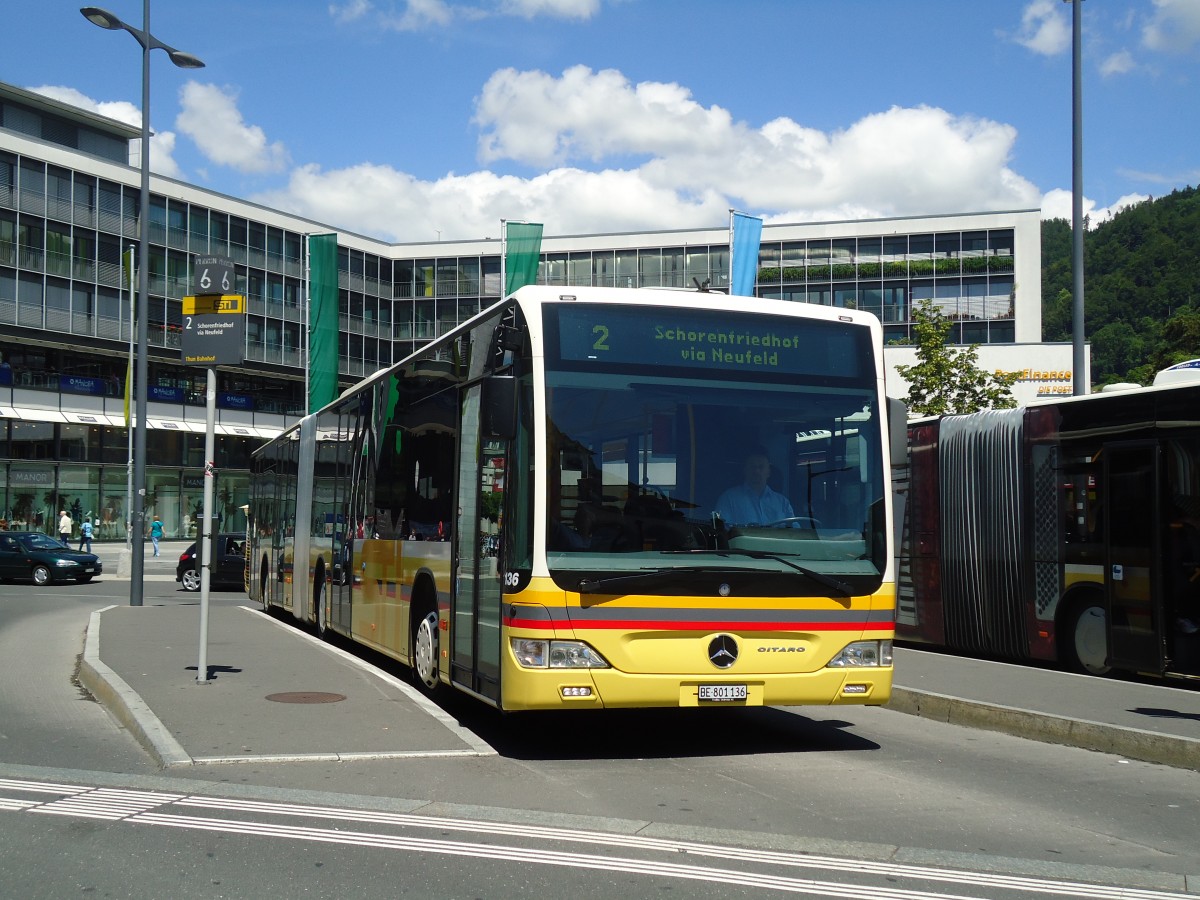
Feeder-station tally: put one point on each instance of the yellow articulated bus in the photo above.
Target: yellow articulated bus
(592, 497)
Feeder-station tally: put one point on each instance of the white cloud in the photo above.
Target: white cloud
(162, 143)
(417, 15)
(1045, 27)
(350, 11)
(1118, 63)
(537, 119)
(1058, 204)
(420, 14)
(210, 117)
(556, 9)
(695, 164)
(1174, 27)
(896, 162)
(382, 201)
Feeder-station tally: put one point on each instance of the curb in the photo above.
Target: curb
(1148, 746)
(124, 704)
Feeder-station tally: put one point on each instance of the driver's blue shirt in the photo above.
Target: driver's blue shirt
(741, 506)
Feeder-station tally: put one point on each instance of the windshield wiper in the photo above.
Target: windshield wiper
(601, 585)
(834, 584)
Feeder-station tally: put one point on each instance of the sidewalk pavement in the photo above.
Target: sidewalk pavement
(272, 692)
(1152, 721)
(275, 692)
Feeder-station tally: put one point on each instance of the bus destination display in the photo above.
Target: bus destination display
(714, 341)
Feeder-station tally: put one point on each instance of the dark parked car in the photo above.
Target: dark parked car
(37, 556)
(228, 564)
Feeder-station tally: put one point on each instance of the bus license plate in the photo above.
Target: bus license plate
(719, 692)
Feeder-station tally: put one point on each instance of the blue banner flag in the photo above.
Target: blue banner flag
(745, 234)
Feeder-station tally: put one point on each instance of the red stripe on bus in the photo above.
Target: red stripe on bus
(666, 625)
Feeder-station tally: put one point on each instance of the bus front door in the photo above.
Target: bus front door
(475, 629)
(1130, 504)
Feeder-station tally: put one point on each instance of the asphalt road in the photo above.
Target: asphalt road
(748, 803)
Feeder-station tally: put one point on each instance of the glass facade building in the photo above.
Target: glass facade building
(69, 210)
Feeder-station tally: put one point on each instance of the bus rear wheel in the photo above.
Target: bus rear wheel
(1087, 638)
(425, 653)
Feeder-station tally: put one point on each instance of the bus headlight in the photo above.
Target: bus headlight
(535, 653)
(863, 654)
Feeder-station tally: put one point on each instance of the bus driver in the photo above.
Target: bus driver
(753, 502)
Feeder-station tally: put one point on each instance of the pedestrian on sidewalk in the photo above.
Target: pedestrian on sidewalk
(156, 533)
(85, 535)
(64, 527)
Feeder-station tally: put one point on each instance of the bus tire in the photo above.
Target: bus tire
(425, 651)
(1086, 636)
(318, 595)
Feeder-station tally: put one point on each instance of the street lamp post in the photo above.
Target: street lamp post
(1080, 384)
(142, 35)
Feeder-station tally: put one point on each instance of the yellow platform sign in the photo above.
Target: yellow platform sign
(214, 304)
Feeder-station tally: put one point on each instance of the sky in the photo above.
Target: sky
(426, 120)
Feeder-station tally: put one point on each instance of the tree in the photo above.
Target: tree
(493, 503)
(948, 379)
(1142, 269)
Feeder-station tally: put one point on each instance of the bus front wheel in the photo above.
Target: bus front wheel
(425, 653)
(1087, 638)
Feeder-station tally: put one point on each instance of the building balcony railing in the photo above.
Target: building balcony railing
(84, 215)
(59, 209)
(31, 201)
(31, 259)
(110, 275)
(58, 264)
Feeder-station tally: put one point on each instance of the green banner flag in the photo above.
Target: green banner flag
(322, 320)
(523, 248)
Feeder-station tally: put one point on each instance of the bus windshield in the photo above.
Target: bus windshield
(659, 464)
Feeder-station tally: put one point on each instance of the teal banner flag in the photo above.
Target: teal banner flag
(322, 320)
(745, 234)
(523, 249)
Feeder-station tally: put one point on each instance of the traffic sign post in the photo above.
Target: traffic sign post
(214, 334)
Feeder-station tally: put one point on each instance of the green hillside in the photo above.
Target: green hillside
(1141, 287)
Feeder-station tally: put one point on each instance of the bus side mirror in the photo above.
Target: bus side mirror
(898, 431)
(499, 407)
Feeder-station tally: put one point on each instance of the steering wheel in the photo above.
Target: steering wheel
(796, 521)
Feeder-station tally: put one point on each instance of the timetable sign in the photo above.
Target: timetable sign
(213, 339)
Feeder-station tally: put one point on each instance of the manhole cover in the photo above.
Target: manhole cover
(305, 697)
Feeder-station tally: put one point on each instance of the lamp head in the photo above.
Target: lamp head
(102, 17)
(185, 60)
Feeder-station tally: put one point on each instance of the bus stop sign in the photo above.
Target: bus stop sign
(214, 330)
